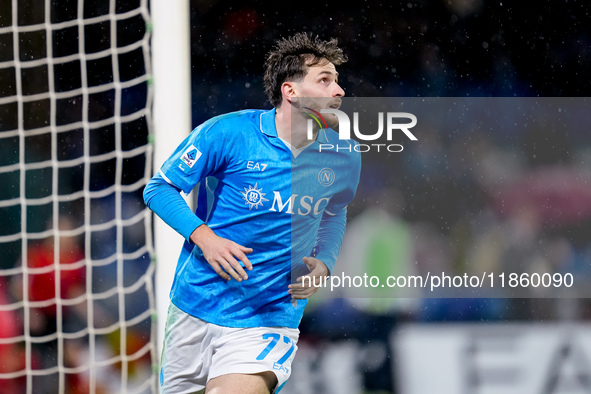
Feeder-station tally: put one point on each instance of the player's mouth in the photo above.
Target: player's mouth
(335, 105)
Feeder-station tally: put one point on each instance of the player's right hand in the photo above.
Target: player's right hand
(221, 253)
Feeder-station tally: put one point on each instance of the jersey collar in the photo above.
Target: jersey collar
(268, 123)
(268, 127)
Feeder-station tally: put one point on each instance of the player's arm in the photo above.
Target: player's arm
(304, 288)
(165, 200)
(330, 233)
(221, 253)
(329, 240)
(203, 153)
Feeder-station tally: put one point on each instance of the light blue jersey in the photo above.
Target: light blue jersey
(255, 192)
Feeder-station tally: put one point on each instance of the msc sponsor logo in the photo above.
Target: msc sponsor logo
(294, 205)
(254, 196)
(302, 206)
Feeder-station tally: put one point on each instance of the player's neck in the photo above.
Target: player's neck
(293, 131)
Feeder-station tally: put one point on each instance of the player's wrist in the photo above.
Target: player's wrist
(200, 234)
(323, 268)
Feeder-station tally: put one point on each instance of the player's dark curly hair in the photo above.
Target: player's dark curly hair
(291, 58)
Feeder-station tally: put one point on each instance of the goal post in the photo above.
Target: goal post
(172, 123)
(77, 294)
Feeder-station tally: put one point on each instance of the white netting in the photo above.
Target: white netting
(75, 101)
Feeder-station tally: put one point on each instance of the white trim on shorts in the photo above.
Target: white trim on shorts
(196, 351)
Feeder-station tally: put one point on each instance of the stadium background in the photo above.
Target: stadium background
(431, 49)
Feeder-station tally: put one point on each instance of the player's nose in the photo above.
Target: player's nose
(339, 92)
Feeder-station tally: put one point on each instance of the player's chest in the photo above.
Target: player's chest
(278, 183)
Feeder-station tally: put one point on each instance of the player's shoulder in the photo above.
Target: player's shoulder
(229, 126)
(242, 118)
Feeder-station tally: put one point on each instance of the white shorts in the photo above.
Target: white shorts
(195, 351)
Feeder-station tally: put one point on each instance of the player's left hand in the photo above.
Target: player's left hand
(305, 289)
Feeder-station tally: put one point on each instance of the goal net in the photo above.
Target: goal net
(76, 277)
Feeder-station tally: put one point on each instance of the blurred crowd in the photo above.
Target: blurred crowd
(58, 333)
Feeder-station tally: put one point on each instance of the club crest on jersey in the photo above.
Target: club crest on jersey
(253, 196)
(326, 177)
(190, 156)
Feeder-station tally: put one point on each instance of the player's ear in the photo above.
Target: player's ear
(288, 91)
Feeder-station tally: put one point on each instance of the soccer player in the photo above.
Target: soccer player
(271, 207)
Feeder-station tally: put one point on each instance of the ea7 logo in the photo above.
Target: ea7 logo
(301, 206)
(345, 125)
